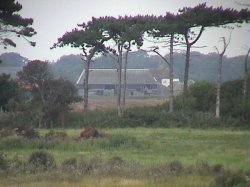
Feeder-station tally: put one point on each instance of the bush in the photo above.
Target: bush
(70, 164)
(28, 133)
(230, 179)
(176, 167)
(3, 162)
(42, 159)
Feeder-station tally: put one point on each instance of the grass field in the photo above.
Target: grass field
(148, 146)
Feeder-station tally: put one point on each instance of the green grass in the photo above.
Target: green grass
(146, 145)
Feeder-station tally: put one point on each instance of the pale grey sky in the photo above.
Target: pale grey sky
(52, 18)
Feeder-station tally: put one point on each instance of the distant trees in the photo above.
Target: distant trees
(12, 23)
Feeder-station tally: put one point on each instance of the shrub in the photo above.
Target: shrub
(16, 165)
(70, 164)
(28, 133)
(42, 159)
(176, 167)
(3, 162)
(230, 179)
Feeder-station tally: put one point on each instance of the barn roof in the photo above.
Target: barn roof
(110, 76)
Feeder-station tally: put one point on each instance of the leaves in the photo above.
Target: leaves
(13, 23)
(8, 41)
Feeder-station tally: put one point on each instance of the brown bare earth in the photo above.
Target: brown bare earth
(105, 103)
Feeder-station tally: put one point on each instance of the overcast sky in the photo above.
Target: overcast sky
(52, 18)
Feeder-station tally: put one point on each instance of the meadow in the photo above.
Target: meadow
(149, 148)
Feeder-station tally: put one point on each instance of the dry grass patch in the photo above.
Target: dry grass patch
(106, 103)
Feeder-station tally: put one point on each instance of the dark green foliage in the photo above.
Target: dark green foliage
(152, 117)
(187, 103)
(232, 103)
(13, 24)
(202, 94)
(24, 114)
(42, 160)
(58, 95)
(8, 90)
(201, 97)
(50, 96)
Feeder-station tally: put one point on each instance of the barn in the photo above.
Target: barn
(104, 82)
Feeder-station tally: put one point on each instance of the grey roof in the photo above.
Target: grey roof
(110, 76)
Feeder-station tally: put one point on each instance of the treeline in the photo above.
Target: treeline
(203, 67)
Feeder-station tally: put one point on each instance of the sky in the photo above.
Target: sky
(52, 18)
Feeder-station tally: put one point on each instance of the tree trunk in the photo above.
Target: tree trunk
(185, 86)
(217, 105)
(86, 79)
(171, 76)
(125, 81)
(119, 109)
(244, 98)
(86, 86)
(189, 45)
(218, 91)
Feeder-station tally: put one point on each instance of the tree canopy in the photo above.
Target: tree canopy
(12, 23)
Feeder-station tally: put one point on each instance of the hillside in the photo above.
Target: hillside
(11, 63)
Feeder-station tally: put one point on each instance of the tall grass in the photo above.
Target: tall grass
(146, 145)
